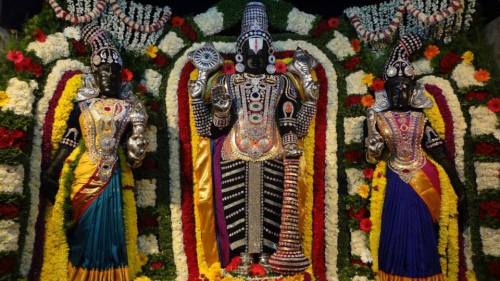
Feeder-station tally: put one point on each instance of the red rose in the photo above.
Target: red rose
(127, 75)
(352, 100)
(333, 22)
(147, 221)
(141, 88)
(177, 21)
(6, 139)
(320, 28)
(78, 47)
(494, 105)
(156, 265)
(15, 56)
(448, 62)
(356, 45)
(368, 173)
(258, 270)
(228, 68)
(188, 31)
(36, 69)
(233, 264)
(25, 64)
(7, 264)
(365, 225)
(354, 156)
(352, 63)
(485, 149)
(39, 35)
(280, 67)
(378, 84)
(9, 211)
(476, 95)
(160, 59)
(360, 214)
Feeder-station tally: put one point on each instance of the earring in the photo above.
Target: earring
(271, 68)
(240, 67)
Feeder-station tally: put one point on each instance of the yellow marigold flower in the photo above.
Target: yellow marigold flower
(4, 98)
(368, 79)
(468, 57)
(142, 278)
(152, 51)
(364, 191)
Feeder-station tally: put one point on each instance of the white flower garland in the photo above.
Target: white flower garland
(151, 133)
(359, 246)
(21, 96)
(487, 175)
(12, 179)
(331, 195)
(463, 74)
(422, 66)
(152, 81)
(53, 78)
(483, 121)
(148, 244)
(72, 32)
(354, 83)
(459, 125)
(491, 239)
(171, 44)
(299, 22)
(146, 193)
(360, 278)
(340, 46)
(354, 180)
(55, 47)
(210, 22)
(9, 235)
(354, 129)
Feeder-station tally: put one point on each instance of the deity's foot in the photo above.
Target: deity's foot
(244, 266)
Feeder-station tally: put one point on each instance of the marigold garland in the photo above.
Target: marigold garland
(64, 108)
(379, 184)
(56, 250)
(434, 116)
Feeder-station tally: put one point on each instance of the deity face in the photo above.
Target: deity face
(399, 91)
(255, 55)
(108, 78)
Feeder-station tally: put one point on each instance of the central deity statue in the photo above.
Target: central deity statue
(255, 118)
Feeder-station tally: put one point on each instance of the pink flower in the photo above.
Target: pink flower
(15, 56)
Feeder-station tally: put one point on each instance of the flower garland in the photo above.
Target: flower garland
(379, 184)
(36, 156)
(54, 47)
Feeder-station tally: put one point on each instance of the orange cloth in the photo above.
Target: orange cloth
(382, 276)
(113, 274)
(428, 192)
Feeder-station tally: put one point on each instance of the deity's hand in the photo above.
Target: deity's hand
(292, 150)
(136, 149)
(302, 63)
(206, 59)
(375, 144)
(196, 88)
(221, 101)
(49, 186)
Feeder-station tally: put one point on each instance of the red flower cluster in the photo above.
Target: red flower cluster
(39, 35)
(147, 221)
(377, 84)
(9, 211)
(489, 208)
(160, 60)
(177, 21)
(233, 264)
(360, 214)
(258, 270)
(354, 156)
(352, 100)
(448, 62)
(365, 225)
(486, 149)
(78, 47)
(280, 67)
(352, 63)
(11, 138)
(157, 265)
(368, 173)
(476, 95)
(23, 63)
(494, 105)
(127, 75)
(228, 68)
(325, 25)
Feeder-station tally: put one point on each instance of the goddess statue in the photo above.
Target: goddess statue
(104, 115)
(417, 185)
(256, 118)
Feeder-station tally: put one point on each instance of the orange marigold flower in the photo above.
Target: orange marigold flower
(367, 100)
(431, 51)
(482, 75)
(177, 21)
(127, 75)
(356, 45)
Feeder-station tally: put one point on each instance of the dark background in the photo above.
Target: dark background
(13, 13)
